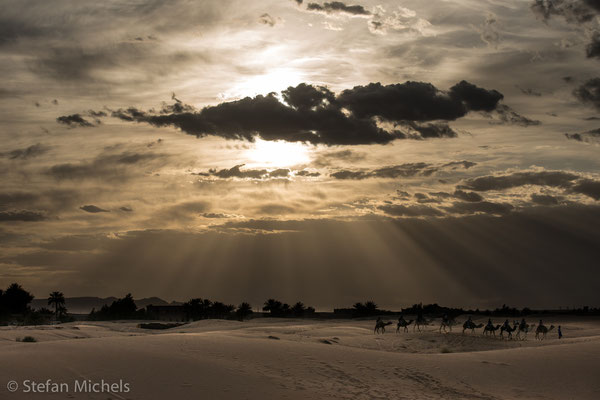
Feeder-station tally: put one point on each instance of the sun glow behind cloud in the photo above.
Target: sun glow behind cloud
(277, 154)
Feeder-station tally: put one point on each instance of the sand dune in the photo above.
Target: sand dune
(302, 359)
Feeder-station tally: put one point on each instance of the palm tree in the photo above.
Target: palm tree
(243, 310)
(273, 306)
(58, 299)
(298, 309)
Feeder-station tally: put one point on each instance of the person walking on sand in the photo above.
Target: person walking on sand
(559, 332)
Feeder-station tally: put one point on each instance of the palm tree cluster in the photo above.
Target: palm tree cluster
(278, 309)
(197, 309)
(124, 308)
(366, 308)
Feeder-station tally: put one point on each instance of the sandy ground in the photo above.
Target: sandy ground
(300, 359)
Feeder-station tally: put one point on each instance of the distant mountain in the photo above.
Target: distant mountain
(83, 305)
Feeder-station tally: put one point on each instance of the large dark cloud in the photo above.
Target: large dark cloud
(338, 7)
(589, 92)
(313, 114)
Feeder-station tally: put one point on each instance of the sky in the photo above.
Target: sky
(327, 152)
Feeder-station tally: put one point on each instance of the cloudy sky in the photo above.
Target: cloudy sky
(329, 152)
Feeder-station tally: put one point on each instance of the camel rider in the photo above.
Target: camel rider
(489, 323)
(506, 324)
(445, 319)
(401, 319)
(523, 324)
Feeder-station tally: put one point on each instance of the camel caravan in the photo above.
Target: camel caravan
(519, 328)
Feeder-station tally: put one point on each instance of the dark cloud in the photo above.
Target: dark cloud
(593, 48)
(544, 199)
(315, 115)
(399, 210)
(589, 92)
(587, 187)
(417, 101)
(126, 209)
(27, 152)
(307, 173)
(467, 196)
(480, 207)
(236, 172)
(400, 171)
(338, 7)
(573, 11)
(215, 215)
(21, 215)
(92, 209)
(501, 182)
(74, 120)
(280, 173)
(587, 136)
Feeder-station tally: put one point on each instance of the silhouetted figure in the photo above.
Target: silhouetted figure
(559, 332)
(469, 324)
(402, 323)
(542, 330)
(380, 325)
(446, 323)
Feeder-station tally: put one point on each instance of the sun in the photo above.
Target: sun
(277, 154)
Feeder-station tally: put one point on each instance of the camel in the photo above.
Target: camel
(380, 325)
(404, 324)
(420, 321)
(490, 329)
(508, 329)
(447, 324)
(543, 330)
(524, 328)
(469, 324)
